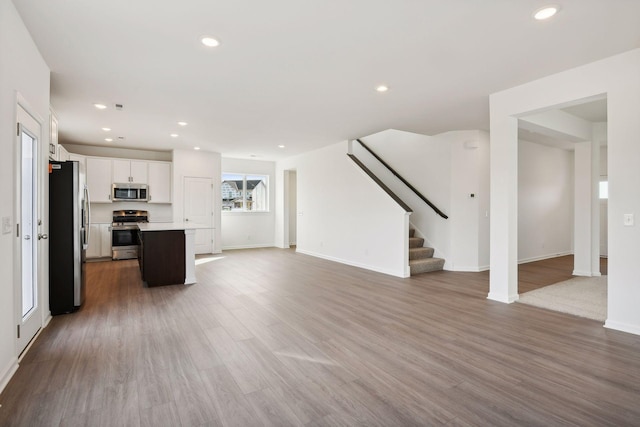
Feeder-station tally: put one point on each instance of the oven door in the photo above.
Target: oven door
(124, 242)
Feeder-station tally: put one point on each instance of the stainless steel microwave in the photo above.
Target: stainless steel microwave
(128, 192)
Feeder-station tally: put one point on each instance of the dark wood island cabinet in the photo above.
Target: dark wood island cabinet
(161, 257)
(167, 253)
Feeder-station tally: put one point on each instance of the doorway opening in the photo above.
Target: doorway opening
(562, 218)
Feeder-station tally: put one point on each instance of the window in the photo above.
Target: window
(245, 193)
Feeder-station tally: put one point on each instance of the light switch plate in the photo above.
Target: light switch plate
(628, 220)
(6, 225)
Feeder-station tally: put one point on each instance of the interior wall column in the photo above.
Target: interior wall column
(503, 278)
(582, 223)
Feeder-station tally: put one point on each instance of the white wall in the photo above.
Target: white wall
(103, 212)
(618, 78)
(22, 70)
(342, 214)
(469, 216)
(249, 229)
(545, 201)
(203, 164)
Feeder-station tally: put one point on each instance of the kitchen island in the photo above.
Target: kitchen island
(167, 253)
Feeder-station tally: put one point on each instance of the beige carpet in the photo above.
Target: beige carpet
(580, 296)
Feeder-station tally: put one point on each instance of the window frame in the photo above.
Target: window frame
(245, 177)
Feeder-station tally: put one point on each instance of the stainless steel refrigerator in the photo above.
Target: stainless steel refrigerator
(68, 236)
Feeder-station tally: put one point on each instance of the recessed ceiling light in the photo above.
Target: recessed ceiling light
(210, 42)
(100, 106)
(382, 88)
(183, 123)
(546, 12)
(108, 139)
(196, 148)
(174, 135)
(280, 146)
(106, 129)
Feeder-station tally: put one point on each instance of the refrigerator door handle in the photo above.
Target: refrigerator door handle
(87, 219)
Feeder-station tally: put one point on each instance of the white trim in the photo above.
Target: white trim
(230, 248)
(623, 327)
(498, 297)
(402, 274)
(8, 372)
(581, 273)
(474, 269)
(189, 257)
(543, 257)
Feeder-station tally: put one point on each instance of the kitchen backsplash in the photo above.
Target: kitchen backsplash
(102, 213)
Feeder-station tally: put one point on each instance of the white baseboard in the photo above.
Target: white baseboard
(402, 274)
(229, 248)
(8, 372)
(542, 257)
(623, 327)
(47, 319)
(498, 297)
(581, 273)
(586, 273)
(474, 269)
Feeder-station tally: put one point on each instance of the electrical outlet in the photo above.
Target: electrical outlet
(6, 225)
(628, 220)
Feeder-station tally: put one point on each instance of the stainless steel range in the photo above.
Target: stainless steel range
(125, 243)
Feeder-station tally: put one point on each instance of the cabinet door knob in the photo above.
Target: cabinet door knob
(43, 236)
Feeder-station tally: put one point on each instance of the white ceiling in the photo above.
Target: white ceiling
(302, 72)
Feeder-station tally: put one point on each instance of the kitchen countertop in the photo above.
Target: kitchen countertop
(163, 226)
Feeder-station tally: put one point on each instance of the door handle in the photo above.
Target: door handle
(43, 236)
(27, 237)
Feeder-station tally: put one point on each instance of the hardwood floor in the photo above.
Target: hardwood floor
(538, 274)
(271, 337)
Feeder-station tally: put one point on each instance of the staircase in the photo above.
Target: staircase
(421, 259)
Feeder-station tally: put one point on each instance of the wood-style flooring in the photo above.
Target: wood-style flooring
(538, 274)
(271, 337)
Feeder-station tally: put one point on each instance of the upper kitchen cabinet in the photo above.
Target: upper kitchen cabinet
(159, 182)
(62, 154)
(130, 171)
(80, 159)
(53, 135)
(99, 179)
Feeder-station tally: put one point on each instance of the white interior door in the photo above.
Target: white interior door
(28, 295)
(198, 208)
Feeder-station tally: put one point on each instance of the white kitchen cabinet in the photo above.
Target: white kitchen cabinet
(159, 182)
(53, 135)
(99, 179)
(80, 159)
(63, 154)
(93, 250)
(99, 241)
(134, 171)
(105, 240)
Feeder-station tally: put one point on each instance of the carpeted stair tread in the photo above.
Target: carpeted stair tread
(425, 265)
(416, 242)
(412, 232)
(420, 253)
